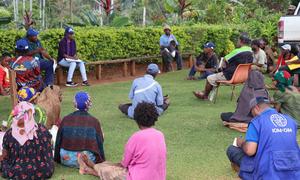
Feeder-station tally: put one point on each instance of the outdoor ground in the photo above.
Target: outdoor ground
(196, 139)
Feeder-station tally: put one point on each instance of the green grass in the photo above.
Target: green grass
(196, 139)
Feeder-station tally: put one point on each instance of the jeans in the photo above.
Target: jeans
(235, 155)
(72, 66)
(204, 74)
(47, 66)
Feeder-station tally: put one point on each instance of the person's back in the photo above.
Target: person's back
(147, 162)
(238, 56)
(145, 89)
(277, 155)
(27, 71)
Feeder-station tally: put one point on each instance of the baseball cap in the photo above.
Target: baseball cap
(210, 45)
(258, 100)
(22, 44)
(69, 30)
(286, 47)
(32, 32)
(153, 69)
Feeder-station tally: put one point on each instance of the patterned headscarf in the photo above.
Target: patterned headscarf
(25, 111)
(284, 80)
(26, 94)
(82, 101)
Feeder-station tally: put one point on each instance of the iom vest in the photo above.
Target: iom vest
(278, 155)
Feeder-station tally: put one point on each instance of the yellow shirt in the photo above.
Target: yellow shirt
(293, 66)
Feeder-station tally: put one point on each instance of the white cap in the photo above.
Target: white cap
(286, 47)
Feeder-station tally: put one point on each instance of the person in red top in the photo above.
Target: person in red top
(285, 55)
(4, 76)
(27, 68)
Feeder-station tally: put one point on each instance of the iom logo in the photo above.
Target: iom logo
(278, 120)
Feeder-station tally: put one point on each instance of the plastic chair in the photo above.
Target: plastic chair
(239, 77)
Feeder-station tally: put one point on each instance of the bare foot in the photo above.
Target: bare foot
(82, 165)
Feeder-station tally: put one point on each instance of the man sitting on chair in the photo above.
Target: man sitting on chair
(241, 55)
(146, 89)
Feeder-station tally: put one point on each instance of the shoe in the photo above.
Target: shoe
(200, 95)
(85, 83)
(71, 84)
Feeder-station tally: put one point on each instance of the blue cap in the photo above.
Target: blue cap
(153, 69)
(210, 45)
(22, 44)
(32, 32)
(82, 101)
(69, 30)
(258, 100)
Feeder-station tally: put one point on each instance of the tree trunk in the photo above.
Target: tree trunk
(144, 16)
(23, 8)
(43, 7)
(30, 6)
(71, 10)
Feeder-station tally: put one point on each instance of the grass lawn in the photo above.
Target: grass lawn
(196, 140)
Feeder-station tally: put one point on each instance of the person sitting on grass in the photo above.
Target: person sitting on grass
(264, 45)
(287, 97)
(36, 50)
(148, 90)
(241, 55)
(284, 56)
(206, 63)
(27, 150)
(79, 132)
(145, 152)
(67, 57)
(270, 149)
(293, 64)
(4, 74)
(260, 57)
(27, 68)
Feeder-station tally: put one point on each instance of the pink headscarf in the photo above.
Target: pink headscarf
(28, 132)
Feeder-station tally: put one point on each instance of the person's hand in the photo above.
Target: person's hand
(239, 141)
(40, 50)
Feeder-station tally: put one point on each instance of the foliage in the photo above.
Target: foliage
(110, 43)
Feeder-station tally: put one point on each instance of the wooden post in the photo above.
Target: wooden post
(191, 62)
(98, 71)
(13, 88)
(125, 69)
(59, 75)
(133, 68)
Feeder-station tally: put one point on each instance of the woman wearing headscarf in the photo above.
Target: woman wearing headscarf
(287, 97)
(79, 132)
(27, 150)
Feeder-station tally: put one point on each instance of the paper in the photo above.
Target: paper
(221, 62)
(235, 142)
(54, 66)
(73, 60)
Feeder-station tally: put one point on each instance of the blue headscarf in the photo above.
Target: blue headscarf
(82, 101)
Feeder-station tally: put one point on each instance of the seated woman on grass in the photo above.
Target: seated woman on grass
(287, 97)
(145, 152)
(79, 132)
(27, 150)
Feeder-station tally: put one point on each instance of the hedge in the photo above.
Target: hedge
(94, 43)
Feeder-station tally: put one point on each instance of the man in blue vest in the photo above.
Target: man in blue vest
(270, 149)
(146, 89)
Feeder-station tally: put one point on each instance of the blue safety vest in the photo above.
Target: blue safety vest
(278, 154)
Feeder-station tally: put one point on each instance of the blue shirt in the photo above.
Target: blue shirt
(165, 40)
(145, 89)
(251, 134)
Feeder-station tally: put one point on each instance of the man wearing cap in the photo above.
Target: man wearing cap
(241, 55)
(169, 50)
(206, 63)
(270, 149)
(36, 50)
(146, 89)
(27, 68)
(284, 56)
(67, 57)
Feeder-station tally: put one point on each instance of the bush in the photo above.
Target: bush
(95, 43)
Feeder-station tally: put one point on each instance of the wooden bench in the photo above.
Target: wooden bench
(126, 62)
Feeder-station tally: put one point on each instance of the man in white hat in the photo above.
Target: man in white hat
(284, 56)
(169, 50)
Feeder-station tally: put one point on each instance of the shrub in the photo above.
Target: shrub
(102, 43)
